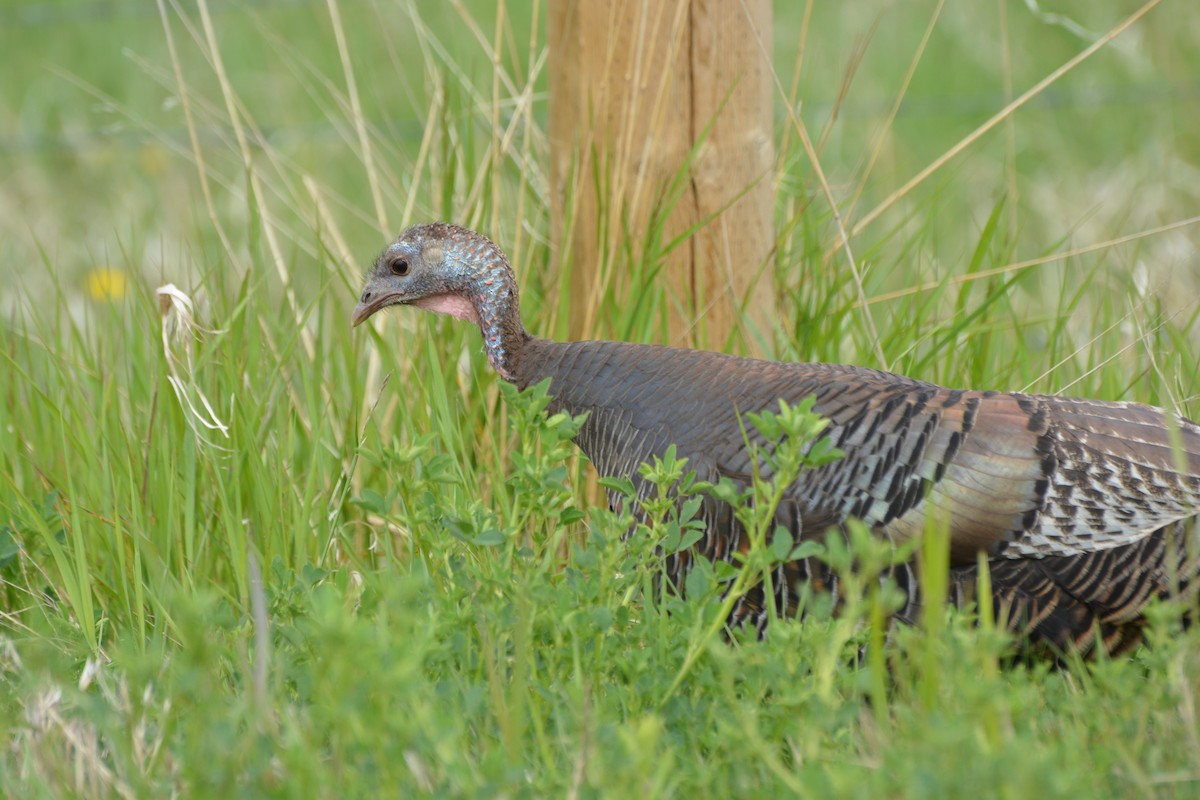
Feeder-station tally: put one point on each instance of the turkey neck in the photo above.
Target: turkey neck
(487, 283)
(504, 337)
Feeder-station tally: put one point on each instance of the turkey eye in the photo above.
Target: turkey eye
(400, 267)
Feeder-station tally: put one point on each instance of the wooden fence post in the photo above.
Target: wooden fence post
(660, 100)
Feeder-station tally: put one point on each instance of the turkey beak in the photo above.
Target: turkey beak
(361, 312)
(369, 303)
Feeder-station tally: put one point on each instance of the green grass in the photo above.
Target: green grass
(375, 572)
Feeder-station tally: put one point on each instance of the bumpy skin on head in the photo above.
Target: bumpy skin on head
(450, 270)
(1086, 510)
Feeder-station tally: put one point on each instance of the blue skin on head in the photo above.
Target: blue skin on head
(450, 270)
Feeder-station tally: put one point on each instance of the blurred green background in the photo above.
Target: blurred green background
(95, 162)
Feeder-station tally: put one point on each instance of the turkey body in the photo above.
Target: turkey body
(1085, 511)
(1084, 508)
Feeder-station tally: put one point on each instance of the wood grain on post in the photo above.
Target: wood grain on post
(637, 89)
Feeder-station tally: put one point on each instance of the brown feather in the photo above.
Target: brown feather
(1070, 499)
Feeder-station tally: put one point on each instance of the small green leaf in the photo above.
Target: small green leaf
(622, 616)
(570, 516)
(673, 537)
(806, 549)
(724, 571)
(697, 583)
(455, 529)
(727, 492)
(489, 538)
(781, 543)
(693, 535)
(311, 575)
(622, 486)
(602, 618)
(687, 511)
(585, 558)
(372, 501)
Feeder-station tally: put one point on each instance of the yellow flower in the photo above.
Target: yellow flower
(106, 283)
(153, 159)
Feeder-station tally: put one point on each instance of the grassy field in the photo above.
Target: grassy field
(247, 552)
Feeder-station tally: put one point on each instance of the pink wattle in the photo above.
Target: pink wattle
(452, 304)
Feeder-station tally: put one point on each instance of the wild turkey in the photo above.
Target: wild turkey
(1084, 508)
